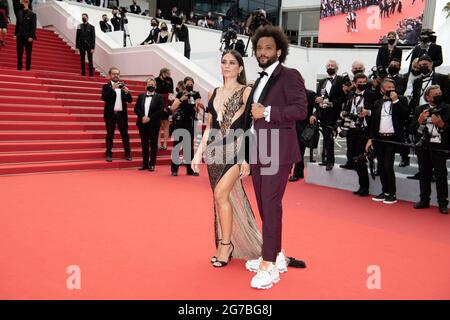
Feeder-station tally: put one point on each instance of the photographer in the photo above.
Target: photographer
(104, 25)
(387, 124)
(427, 47)
(85, 43)
(116, 96)
(376, 79)
(116, 21)
(181, 33)
(184, 108)
(356, 117)
(431, 125)
(328, 91)
(154, 33)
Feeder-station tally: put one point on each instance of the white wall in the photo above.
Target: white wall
(299, 4)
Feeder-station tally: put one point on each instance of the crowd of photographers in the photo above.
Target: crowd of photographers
(385, 113)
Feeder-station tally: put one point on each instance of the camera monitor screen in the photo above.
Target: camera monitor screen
(369, 21)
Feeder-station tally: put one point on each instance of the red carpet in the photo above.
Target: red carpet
(138, 235)
(51, 118)
(334, 30)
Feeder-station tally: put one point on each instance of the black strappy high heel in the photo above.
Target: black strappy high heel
(221, 264)
(214, 258)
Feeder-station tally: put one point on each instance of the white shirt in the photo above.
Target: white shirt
(386, 124)
(262, 84)
(329, 84)
(118, 103)
(357, 102)
(410, 86)
(148, 101)
(426, 82)
(433, 130)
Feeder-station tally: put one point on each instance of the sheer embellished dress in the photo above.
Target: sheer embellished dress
(221, 155)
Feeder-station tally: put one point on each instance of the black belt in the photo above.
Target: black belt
(386, 135)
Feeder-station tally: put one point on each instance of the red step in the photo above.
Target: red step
(64, 135)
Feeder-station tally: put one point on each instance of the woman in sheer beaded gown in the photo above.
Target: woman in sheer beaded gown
(236, 232)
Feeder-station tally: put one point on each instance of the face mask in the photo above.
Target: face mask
(424, 39)
(424, 70)
(150, 88)
(415, 72)
(391, 41)
(189, 88)
(393, 70)
(357, 71)
(388, 93)
(437, 100)
(362, 86)
(84, 20)
(177, 90)
(331, 71)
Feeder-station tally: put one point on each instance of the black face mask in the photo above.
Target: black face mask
(177, 90)
(189, 88)
(437, 100)
(391, 41)
(84, 20)
(150, 88)
(415, 72)
(362, 86)
(331, 71)
(425, 70)
(154, 24)
(388, 93)
(357, 71)
(393, 70)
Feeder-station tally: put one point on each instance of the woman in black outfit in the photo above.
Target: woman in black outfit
(164, 86)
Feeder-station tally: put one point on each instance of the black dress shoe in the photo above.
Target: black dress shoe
(174, 174)
(109, 158)
(329, 167)
(152, 168)
(322, 163)
(404, 163)
(414, 177)
(422, 204)
(142, 168)
(443, 209)
(348, 166)
(364, 193)
(128, 157)
(194, 174)
(293, 178)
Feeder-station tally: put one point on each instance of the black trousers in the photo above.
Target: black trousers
(300, 166)
(189, 126)
(385, 153)
(149, 134)
(356, 145)
(20, 45)
(429, 160)
(120, 121)
(328, 146)
(83, 52)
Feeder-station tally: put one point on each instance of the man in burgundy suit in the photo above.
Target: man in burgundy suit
(277, 101)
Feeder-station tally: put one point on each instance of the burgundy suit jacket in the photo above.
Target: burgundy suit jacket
(286, 94)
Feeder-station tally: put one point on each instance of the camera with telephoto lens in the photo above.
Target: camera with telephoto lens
(228, 37)
(258, 20)
(425, 136)
(344, 124)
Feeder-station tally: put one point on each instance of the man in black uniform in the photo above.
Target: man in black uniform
(85, 42)
(181, 32)
(184, 109)
(427, 47)
(431, 123)
(25, 34)
(116, 96)
(104, 25)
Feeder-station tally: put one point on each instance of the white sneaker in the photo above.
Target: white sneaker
(264, 279)
(253, 265)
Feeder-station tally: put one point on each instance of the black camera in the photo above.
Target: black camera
(121, 85)
(369, 156)
(346, 79)
(437, 111)
(123, 10)
(344, 124)
(258, 20)
(228, 37)
(378, 72)
(425, 136)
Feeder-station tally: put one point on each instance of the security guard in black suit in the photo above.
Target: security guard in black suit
(85, 42)
(431, 123)
(25, 33)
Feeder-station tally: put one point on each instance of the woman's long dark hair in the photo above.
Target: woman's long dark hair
(242, 78)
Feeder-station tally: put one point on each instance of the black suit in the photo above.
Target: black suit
(117, 23)
(385, 152)
(384, 56)
(149, 132)
(113, 118)
(357, 137)
(135, 9)
(25, 29)
(401, 82)
(301, 125)
(328, 116)
(105, 26)
(436, 79)
(434, 51)
(182, 34)
(430, 159)
(153, 36)
(85, 42)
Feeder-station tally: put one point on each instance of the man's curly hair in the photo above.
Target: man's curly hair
(278, 35)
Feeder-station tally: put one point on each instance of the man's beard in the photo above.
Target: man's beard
(269, 62)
